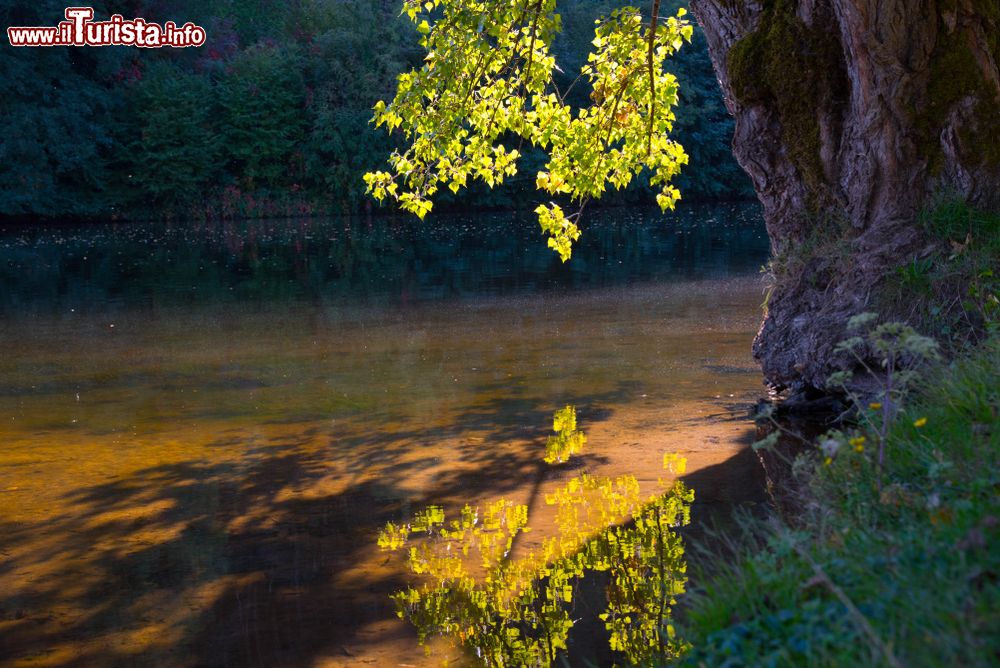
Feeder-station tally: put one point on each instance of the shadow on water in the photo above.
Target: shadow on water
(273, 589)
(222, 564)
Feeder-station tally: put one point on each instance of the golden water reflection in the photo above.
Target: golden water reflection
(204, 486)
(508, 611)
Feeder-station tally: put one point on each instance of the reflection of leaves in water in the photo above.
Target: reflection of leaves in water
(511, 612)
(568, 441)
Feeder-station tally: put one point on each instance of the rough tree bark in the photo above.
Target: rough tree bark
(851, 116)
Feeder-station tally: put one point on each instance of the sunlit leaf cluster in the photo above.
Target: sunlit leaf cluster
(486, 85)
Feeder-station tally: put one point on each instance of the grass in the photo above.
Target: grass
(950, 291)
(906, 572)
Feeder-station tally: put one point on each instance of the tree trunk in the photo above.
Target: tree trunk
(852, 116)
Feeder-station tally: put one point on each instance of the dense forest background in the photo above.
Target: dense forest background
(269, 117)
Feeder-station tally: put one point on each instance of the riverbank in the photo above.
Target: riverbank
(902, 571)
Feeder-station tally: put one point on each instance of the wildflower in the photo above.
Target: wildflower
(859, 443)
(920, 423)
(829, 447)
(874, 405)
(827, 461)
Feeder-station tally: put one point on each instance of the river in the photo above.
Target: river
(204, 426)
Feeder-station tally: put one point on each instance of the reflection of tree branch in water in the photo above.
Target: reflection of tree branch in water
(567, 442)
(662, 578)
(518, 611)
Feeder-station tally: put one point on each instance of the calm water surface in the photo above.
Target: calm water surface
(204, 427)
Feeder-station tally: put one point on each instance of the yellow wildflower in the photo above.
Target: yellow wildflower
(827, 461)
(920, 423)
(874, 405)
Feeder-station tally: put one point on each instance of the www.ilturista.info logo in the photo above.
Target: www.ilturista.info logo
(79, 29)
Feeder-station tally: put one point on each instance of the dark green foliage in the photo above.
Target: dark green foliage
(786, 637)
(261, 99)
(55, 104)
(173, 156)
(705, 129)
(349, 74)
(271, 116)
